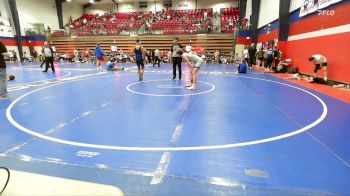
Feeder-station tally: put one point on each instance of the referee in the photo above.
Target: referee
(176, 54)
(48, 54)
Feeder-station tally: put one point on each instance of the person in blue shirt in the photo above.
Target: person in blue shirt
(242, 67)
(99, 56)
(111, 66)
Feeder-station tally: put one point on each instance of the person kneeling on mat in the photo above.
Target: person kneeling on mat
(320, 62)
(194, 65)
(242, 67)
(111, 66)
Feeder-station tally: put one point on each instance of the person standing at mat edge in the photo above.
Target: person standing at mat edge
(176, 54)
(48, 54)
(3, 77)
(194, 62)
(139, 52)
(320, 61)
(99, 56)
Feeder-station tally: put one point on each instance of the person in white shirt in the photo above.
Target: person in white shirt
(157, 57)
(246, 53)
(216, 56)
(320, 63)
(194, 62)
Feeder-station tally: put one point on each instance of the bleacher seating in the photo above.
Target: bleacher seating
(180, 21)
(229, 19)
(209, 42)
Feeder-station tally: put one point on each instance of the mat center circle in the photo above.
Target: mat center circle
(168, 88)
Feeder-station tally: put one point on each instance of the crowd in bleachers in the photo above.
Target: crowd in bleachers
(229, 19)
(166, 21)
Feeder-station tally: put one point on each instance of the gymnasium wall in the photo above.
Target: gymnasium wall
(27, 41)
(268, 24)
(248, 12)
(3, 9)
(37, 11)
(327, 34)
(294, 5)
(269, 12)
(73, 10)
(44, 11)
(243, 38)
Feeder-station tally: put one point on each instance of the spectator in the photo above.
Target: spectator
(269, 59)
(35, 55)
(281, 67)
(277, 56)
(26, 57)
(169, 56)
(232, 56)
(252, 53)
(12, 56)
(246, 53)
(208, 56)
(205, 15)
(84, 21)
(3, 76)
(216, 56)
(76, 56)
(237, 58)
(48, 30)
(260, 56)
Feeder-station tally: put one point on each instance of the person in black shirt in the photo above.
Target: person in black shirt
(48, 54)
(139, 52)
(176, 57)
(252, 53)
(3, 76)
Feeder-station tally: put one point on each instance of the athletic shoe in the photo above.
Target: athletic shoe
(191, 88)
(174, 78)
(44, 71)
(5, 97)
(189, 85)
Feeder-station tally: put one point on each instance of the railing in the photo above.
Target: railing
(133, 31)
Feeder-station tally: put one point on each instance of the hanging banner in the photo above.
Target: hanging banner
(310, 6)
